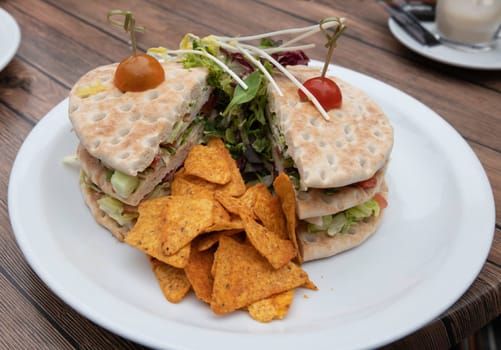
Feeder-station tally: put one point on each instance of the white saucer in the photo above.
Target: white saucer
(490, 59)
(10, 37)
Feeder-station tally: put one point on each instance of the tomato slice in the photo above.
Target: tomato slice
(367, 184)
(139, 72)
(381, 201)
(325, 90)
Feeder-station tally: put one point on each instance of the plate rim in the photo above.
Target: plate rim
(123, 329)
(11, 51)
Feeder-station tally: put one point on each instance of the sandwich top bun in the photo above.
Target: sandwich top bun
(124, 130)
(352, 146)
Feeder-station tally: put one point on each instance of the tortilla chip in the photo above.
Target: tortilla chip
(188, 185)
(208, 163)
(243, 276)
(234, 224)
(232, 204)
(198, 271)
(310, 285)
(184, 218)
(184, 184)
(276, 250)
(285, 191)
(209, 240)
(274, 307)
(269, 211)
(173, 281)
(236, 186)
(145, 235)
(248, 199)
(178, 259)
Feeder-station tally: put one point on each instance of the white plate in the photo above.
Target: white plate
(10, 37)
(433, 242)
(466, 58)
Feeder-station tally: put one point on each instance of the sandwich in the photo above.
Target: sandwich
(131, 143)
(338, 166)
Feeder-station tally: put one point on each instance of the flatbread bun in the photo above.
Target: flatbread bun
(124, 130)
(317, 203)
(90, 198)
(98, 173)
(351, 147)
(319, 245)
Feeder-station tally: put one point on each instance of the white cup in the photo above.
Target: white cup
(474, 22)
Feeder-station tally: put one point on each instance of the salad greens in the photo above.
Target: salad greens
(240, 113)
(342, 222)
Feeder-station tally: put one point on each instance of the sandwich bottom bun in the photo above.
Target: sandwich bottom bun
(90, 198)
(314, 246)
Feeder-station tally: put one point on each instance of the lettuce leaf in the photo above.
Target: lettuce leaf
(342, 222)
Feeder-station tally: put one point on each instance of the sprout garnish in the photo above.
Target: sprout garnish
(253, 53)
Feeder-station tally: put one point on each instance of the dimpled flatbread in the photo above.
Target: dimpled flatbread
(125, 130)
(350, 147)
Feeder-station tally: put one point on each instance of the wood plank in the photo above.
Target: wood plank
(83, 44)
(30, 93)
(23, 326)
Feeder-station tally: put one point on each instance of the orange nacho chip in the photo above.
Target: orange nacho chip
(173, 281)
(310, 285)
(189, 185)
(198, 271)
(248, 199)
(276, 250)
(232, 204)
(243, 276)
(208, 163)
(285, 191)
(268, 210)
(184, 184)
(184, 218)
(209, 240)
(145, 235)
(236, 186)
(272, 308)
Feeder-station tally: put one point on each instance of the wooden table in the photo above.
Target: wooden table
(63, 39)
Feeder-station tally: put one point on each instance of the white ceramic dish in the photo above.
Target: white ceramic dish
(434, 240)
(10, 38)
(455, 56)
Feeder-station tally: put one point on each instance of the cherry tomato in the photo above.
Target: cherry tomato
(326, 91)
(138, 73)
(381, 201)
(369, 183)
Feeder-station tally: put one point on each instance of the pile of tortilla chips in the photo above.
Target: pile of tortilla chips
(233, 245)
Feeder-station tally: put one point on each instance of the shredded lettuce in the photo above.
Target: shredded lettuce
(115, 209)
(342, 222)
(88, 184)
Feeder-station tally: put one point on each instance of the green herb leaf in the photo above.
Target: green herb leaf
(241, 96)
